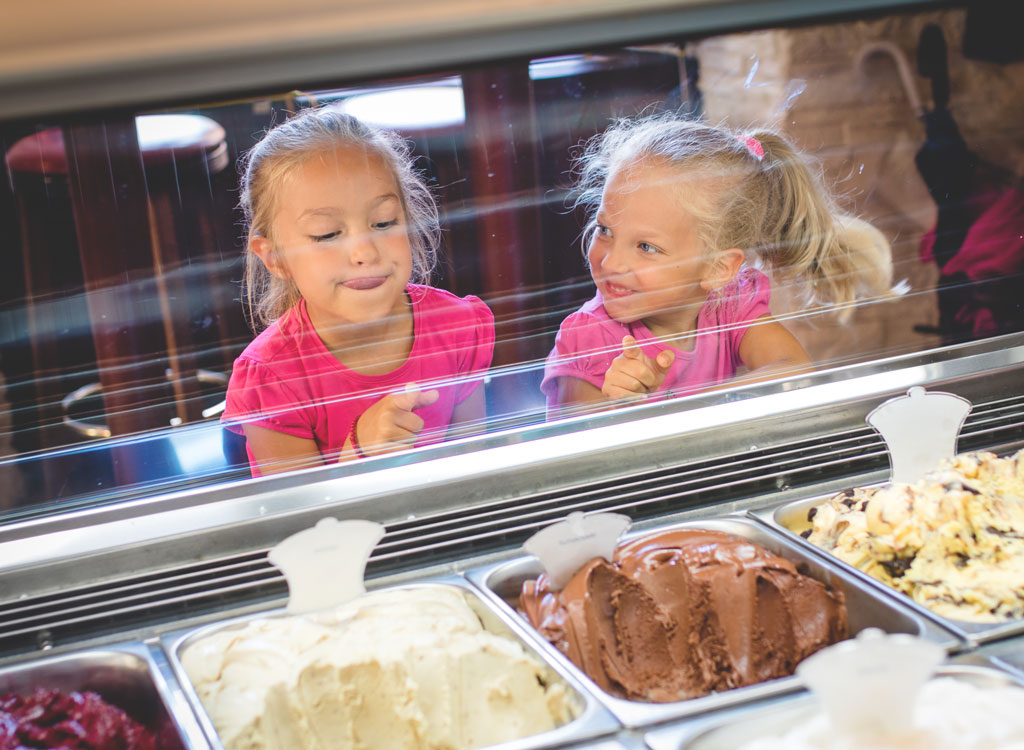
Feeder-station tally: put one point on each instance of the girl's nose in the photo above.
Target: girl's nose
(363, 250)
(613, 261)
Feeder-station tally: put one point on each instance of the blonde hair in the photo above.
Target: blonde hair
(284, 148)
(775, 205)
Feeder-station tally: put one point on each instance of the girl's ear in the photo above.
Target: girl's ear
(722, 270)
(264, 248)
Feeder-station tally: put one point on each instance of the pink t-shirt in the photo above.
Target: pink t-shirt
(588, 340)
(287, 380)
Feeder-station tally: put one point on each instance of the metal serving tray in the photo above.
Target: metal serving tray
(731, 729)
(592, 720)
(791, 518)
(503, 582)
(620, 743)
(125, 675)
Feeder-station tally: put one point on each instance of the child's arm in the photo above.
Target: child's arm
(275, 452)
(632, 375)
(770, 351)
(388, 425)
(469, 417)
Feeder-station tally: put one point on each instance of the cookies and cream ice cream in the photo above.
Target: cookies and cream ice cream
(953, 541)
(398, 668)
(683, 613)
(950, 714)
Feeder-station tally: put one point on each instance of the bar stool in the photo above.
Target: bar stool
(194, 260)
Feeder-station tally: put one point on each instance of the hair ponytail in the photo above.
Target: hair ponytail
(805, 235)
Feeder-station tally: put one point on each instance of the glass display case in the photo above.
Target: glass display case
(128, 508)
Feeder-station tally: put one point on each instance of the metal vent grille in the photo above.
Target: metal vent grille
(245, 579)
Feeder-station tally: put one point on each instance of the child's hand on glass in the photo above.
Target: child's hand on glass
(633, 374)
(392, 424)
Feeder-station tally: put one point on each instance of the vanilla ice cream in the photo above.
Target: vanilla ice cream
(397, 668)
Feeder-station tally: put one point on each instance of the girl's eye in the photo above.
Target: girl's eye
(648, 249)
(324, 237)
(603, 231)
(382, 225)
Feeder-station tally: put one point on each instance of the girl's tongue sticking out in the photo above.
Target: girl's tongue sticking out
(366, 282)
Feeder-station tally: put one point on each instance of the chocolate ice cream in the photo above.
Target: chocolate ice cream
(683, 613)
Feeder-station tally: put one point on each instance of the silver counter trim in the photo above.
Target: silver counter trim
(513, 461)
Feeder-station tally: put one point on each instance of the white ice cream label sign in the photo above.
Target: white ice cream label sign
(325, 565)
(564, 547)
(920, 430)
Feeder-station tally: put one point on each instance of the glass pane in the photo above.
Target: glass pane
(123, 304)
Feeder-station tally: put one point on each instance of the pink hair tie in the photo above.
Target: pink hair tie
(753, 146)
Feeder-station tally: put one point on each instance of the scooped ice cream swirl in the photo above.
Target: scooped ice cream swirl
(405, 668)
(683, 613)
(954, 541)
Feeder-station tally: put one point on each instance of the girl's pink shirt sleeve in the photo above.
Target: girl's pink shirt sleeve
(268, 390)
(476, 349)
(585, 345)
(740, 303)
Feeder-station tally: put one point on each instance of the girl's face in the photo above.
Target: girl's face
(646, 256)
(340, 234)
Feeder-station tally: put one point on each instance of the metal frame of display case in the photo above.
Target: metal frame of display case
(212, 61)
(732, 450)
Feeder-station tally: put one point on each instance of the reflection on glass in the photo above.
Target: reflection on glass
(123, 311)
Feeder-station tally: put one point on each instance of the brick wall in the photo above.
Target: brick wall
(858, 122)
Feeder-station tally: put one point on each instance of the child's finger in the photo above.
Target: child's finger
(426, 398)
(411, 397)
(643, 371)
(665, 359)
(406, 426)
(621, 383)
(630, 349)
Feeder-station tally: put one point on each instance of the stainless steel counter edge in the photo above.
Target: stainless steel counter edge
(218, 55)
(177, 526)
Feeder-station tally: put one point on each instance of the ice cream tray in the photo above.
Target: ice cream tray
(790, 519)
(129, 676)
(731, 729)
(502, 583)
(592, 719)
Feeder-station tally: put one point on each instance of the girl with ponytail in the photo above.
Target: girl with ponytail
(681, 216)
